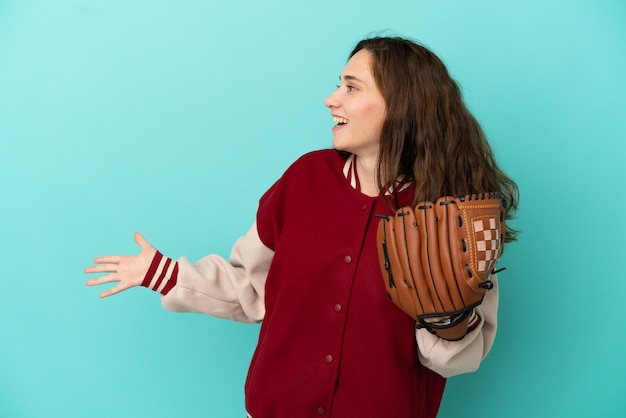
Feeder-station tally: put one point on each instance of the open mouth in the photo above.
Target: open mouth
(340, 121)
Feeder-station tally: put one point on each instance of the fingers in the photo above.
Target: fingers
(112, 291)
(108, 279)
(112, 259)
(127, 271)
(102, 268)
(103, 279)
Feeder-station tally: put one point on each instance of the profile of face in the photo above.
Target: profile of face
(358, 108)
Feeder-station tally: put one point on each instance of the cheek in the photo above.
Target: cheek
(376, 115)
(376, 107)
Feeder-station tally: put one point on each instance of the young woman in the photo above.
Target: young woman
(331, 343)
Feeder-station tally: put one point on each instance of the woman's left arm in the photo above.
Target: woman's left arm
(450, 358)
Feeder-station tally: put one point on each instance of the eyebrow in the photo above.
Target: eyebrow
(351, 78)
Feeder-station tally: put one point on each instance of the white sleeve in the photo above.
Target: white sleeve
(232, 289)
(450, 358)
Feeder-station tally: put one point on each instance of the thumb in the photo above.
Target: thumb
(141, 241)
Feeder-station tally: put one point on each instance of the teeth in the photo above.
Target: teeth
(337, 119)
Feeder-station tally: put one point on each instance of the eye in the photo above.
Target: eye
(349, 87)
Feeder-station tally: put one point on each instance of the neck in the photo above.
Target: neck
(366, 170)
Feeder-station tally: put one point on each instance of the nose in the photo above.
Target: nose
(332, 101)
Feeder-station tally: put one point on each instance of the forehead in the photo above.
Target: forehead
(359, 66)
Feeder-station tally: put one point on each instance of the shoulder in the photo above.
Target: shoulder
(301, 181)
(310, 171)
(323, 156)
(321, 163)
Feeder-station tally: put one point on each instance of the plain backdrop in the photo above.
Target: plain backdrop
(173, 117)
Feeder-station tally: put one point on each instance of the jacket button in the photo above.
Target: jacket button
(329, 358)
(364, 206)
(347, 259)
(338, 308)
(321, 410)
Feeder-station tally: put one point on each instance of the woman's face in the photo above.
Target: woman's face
(358, 108)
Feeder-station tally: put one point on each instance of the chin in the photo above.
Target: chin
(339, 147)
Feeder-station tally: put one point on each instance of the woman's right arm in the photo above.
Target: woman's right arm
(231, 289)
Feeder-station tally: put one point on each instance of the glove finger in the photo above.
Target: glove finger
(434, 277)
(391, 268)
(448, 220)
(409, 246)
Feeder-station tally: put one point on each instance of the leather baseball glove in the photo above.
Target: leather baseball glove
(437, 259)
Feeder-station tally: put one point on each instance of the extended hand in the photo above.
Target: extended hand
(128, 271)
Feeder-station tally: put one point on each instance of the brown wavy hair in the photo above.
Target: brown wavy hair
(429, 136)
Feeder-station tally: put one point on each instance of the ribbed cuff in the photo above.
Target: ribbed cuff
(473, 322)
(162, 274)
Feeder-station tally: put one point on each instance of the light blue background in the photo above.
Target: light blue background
(172, 118)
